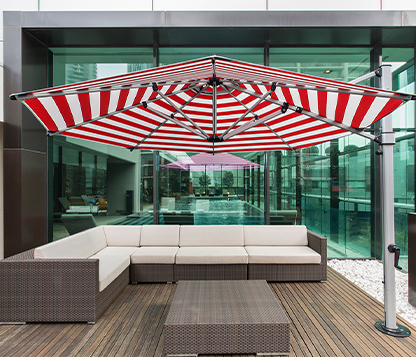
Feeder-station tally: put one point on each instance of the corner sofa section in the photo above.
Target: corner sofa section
(72, 279)
(77, 278)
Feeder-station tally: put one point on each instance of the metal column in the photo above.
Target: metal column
(266, 187)
(387, 141)
(156, 165)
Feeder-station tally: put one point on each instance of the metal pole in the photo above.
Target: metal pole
(156, 162)
(267, 187)
(388, 140)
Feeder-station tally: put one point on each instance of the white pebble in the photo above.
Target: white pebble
(368, 275)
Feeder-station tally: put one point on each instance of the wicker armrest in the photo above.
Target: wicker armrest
(48, 289)
(318, 244)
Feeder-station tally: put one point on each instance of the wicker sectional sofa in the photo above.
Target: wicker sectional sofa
(77, 278)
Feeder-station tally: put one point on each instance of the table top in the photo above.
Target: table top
(225, 302)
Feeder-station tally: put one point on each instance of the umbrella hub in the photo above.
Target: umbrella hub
(215, 139)
(214, 81)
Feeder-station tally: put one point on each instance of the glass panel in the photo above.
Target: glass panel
(344, 64)
(204, 194)
(91, 178)
(334, 176)
(402, 62)
(169, 55)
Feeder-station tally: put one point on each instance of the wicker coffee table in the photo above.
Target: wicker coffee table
(226, 317)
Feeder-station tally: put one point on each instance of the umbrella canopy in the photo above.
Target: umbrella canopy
(218, 162)
(212, 104)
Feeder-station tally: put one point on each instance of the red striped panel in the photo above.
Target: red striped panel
(322, 100)
(84, 101)
(41, 113)
(139, 96)
(288, 96)
(365, 104)
(391, 105)
(341, 106)
(304, 99)
(104, 101)
(65, 110)
(122, 99)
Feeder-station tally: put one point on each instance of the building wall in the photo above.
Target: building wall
(179, 5)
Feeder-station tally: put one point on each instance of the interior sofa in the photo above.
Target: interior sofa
(76, 278)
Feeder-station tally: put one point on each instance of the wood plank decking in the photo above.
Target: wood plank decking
(334, 318)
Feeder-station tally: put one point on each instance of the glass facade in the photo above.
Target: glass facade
(327, 187)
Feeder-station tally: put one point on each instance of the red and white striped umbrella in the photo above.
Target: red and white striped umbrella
(212, 104)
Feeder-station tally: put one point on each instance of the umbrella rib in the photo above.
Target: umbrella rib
(200, 90)
(30, 95)
(179, 110)
(115, 112)
(177, 122)
(402, 96)
(248, 111)
(230, 93)
(148, 135)
(275, 133)
(312, 115)
(252, 124)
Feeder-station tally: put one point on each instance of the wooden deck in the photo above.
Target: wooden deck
(334, 318)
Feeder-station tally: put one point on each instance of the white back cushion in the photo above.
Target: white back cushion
(275, 235)
(123, 236)
(75, 246)
(97, 238)
(213, 235)
(153, 236)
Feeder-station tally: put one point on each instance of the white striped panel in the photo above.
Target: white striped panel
(313, 101)
(375, 108)
(123, 126)
(53, 110)
(350, 110)
(279, 94)
(296, 97)
(95, 104)
(114, 97)
(147, 94)
(126, 136)
(331, 105)
(130, 98)
(75, 106)
(93, 136)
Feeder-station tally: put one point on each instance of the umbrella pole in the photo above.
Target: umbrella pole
(390, 250)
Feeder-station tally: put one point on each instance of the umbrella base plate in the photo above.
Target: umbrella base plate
(400, 331)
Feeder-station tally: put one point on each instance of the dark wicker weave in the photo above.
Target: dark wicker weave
(210, 272)
(151, 273)
(53, 290)
(295, 272)
(225, 317)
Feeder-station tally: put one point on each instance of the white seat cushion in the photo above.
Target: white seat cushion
(154, 255)
(126, 251)
(211, 255)
(123, 236)
(282, 255)
(166, 236)
(110, 267)
(211, 235)
(75, 246)
(275, 235)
